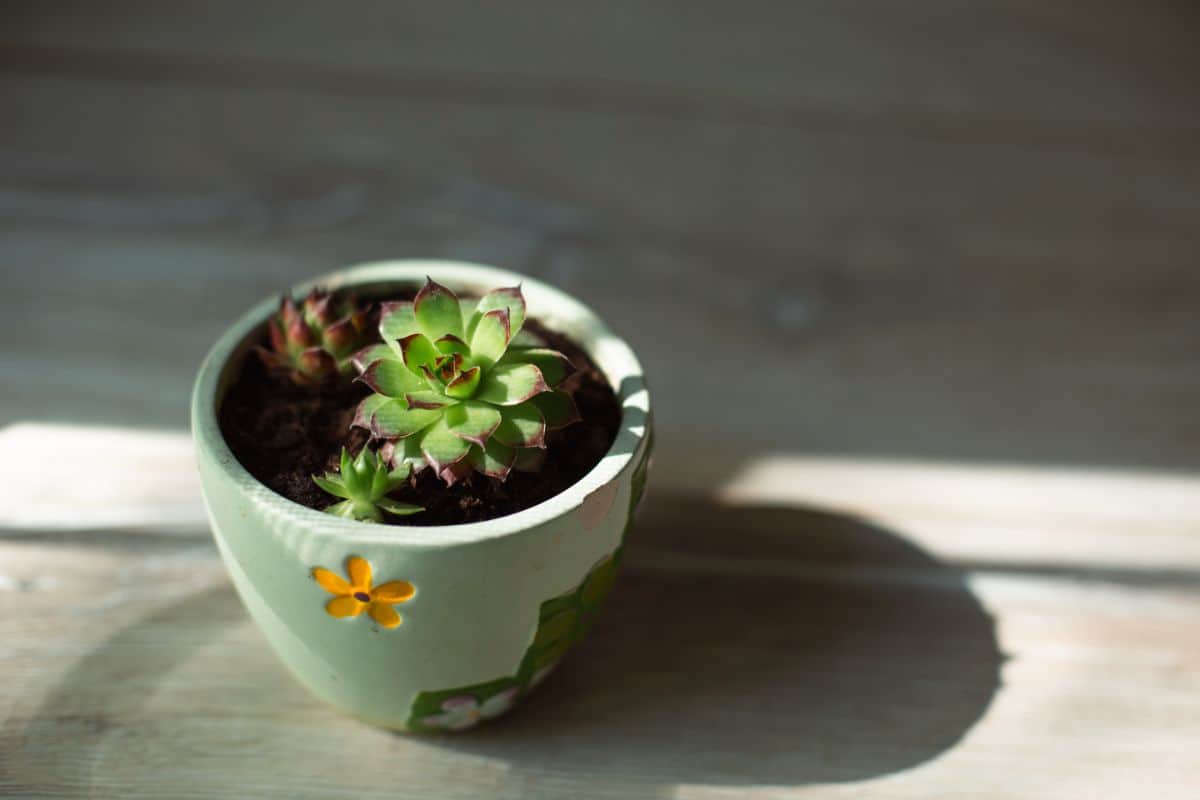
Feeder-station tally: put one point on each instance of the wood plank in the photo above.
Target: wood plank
(906, 320)
(860, 662)
(1115, 72)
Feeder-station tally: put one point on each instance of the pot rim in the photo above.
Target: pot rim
(614, 357)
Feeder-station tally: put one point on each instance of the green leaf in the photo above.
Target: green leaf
(388, 376)
(380, 484)
(441, 446)
(556, 629)
(473, 421)
(558, 408)
(407, 451)
(398, 508)
(521, 425)
(598, 584)
(392, 420)
(332, 485)
(438, 311)
(491, 336)
(417, 352)
(427, 399)
(511, 300)
(367, 408)
(396, 320)
(465, 384)
(399, 475)
(555, 367)
(370, 354)
(509, 384)
(354, 510)
(493, 459)
(450, 344)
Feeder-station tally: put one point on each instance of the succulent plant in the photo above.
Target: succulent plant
(458, 386)
(364, 483)
(315, 342)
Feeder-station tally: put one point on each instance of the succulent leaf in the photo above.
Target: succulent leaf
(511, 300)
(369, 355)
(397, 320)
(404, 452)
(452, 392)
(464, 384)
(491, 337)
(558, 408)
(389, 377)
(521, 425)
(366, 410)
(333, 486)
(450, 344)
(395, 420)
(364, 482)
(427, 399)
(441, 446)
(473, 421)
(509, 384)
(418, 351)
(318, 344)
(493, 459)
(398, 508)
(555, 367)
(438, 311)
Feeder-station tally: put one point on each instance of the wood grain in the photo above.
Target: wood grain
(946, 547)
(855, 660)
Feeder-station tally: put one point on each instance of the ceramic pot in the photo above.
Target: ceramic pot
(496, 603)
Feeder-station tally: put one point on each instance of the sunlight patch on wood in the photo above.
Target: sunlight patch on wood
(84, 477)
(1079, 516)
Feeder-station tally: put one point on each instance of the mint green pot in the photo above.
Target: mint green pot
(496, 603)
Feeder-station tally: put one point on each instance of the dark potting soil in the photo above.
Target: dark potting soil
(283, 434)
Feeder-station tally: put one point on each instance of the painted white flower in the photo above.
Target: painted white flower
(465, 711)
(542, 674)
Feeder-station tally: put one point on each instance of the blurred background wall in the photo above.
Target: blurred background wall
(963, 231)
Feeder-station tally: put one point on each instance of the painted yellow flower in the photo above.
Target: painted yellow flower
(355, 596)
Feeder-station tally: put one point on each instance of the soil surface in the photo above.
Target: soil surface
(283, 434)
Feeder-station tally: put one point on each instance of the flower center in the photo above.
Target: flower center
(362, 597)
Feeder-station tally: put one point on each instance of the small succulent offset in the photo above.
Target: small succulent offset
(364, 483)
(457, 388)
(315, 343)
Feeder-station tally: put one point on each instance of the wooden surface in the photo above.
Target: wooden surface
(949, 548)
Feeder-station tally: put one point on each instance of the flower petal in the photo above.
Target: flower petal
(459, 703)
(330, 581)
(393, 592)
(345, 606)
(384, 614)
(360, 573)
(498, 703)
